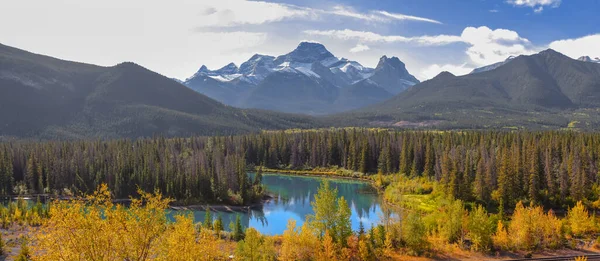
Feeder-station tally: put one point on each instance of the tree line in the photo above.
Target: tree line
(190, 169)
(492, 167)
(553, 168)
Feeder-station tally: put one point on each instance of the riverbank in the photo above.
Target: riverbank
(321, 172)
(224, 207)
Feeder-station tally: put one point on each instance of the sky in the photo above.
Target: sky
(176, 37)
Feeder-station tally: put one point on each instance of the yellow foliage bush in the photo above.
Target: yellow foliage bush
(500, 238)
(530, 228)
(181, 242)
(579, 220)
(96, 229)
(299, 244)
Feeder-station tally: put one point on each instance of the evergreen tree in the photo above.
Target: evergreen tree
(258, 177)
(428, 170)
(404, 158)
(361, 230)
(364, 158)
(218, 225)
(238, 230)
(534, 181)
(343, 224)
(208, 220)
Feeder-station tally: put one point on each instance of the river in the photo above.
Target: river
(293, 195)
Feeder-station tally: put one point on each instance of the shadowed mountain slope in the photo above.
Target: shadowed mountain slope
(41, 96)
(544, 90)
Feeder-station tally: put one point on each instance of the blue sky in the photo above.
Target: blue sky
(557, 20)
(176, 37)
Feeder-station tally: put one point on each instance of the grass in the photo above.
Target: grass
(425, 203)
(573, 124)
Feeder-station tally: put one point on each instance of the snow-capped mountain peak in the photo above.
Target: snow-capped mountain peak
(203, 68)
(492, 66)
(309, 69)
(257, 68)
(393, 62)
(306, 52)
(231, 68)
(226, 73)
(391, 75)
(589, 59)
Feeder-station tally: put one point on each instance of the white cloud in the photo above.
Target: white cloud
(227, 13)
(494, 11)
(435, 69)
(348, 12)
(359, 48)
(408, 17)
(490, 46)
(537, 5)
(174, 37)
(365, 36)
(166, 45)
(575, 48)
(486, 46)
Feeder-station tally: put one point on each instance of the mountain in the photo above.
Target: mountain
(589, 59)
(492, 66)
(544, 90)
(45, 97)
(391, 75)
(309, 80)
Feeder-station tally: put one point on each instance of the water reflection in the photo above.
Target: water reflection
(292, 200)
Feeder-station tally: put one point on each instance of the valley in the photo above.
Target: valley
(304, 155)
(498, 191)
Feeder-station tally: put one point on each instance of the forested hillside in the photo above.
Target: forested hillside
(547, 90)
(550, 168)
(44, 97)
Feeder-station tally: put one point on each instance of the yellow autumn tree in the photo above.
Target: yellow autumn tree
(500, 238)
(249, 248)
(365, 250)
(299, 244)
(96, 229)
(329, 250)
(181, 242)
(289, 250)
(388, 244)
(308, 242)
(579, 220)
(553, 231)
(530, 228)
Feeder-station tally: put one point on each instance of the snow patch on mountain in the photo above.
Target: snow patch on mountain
(305, 69)
(225, 77)
(589, 59)
(309, 59)
(492, 66)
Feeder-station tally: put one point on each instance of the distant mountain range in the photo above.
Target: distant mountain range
(498, 64)
(544, 90)
(308, 80)
(44, 97)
